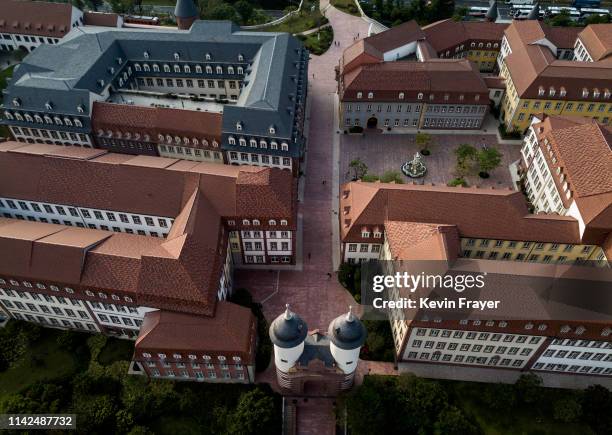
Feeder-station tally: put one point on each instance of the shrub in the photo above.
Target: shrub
(392, 176)
(458, 182)
(370, 178)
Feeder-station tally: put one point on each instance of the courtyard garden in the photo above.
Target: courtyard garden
(346, 6)
(318, 42)
(467, 160)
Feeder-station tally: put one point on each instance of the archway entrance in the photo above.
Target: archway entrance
(372, 122)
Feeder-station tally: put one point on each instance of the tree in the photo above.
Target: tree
(254, 414)
(359, 168)
(222, 11)
(121, 6)
(245, 10)
(500, 397)
(392, 176)
(466, 157)
(488, 159)
(562, 19)
(423, 140)
(422, 400)
(597, 409)
(529, 388)
(452, 421)
(567, 409)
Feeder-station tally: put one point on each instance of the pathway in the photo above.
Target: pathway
(314, 292)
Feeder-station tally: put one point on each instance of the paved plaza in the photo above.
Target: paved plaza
(386, 152)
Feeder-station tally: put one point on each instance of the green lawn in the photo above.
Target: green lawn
(308, 18)
(116, 350)
(50, 362)
(318, 43)
(347, 6)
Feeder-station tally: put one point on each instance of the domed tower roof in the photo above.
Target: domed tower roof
(288, 330)
(492, 13)
(347, 331)
(534, 14)
(185, 9)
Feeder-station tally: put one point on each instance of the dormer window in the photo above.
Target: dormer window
(240, 70)
(187, 69)
(370, 95)
(119, 61)
(137, 67)
(401, 96)
(177, 56)
(272, 222)
(562, 92)
(146, 67)
(596, 93)
(198, 69)
(420, 96)
(207, 56)
(28, 117)
(177, 68)
(476, 97)
(80, 108)
(446, 97)
(219, 70)
(585, 92)
(16, 102)
(253, 143)
(551, 91)
(166, 68)
(461, 97)
(540, 91)
(230, 70)
(607, 93)
(146, 54)
(208, 69)
(239, 126)
(38, 119)
(8, 115)
(283, 222)
(431, 97)
(256, 222)
(231, 140)
(246, 222)
(111, 70)
(272, 130)
(359, 94)
(242, 142)
(240, 58)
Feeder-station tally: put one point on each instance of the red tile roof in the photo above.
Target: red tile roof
(157, 120)
(477, 213)
(102, 19)
(229, 332)
(396, 36)
(387, 79)
(597, 39)
(532, 65)
(35, 18)
(179, 273)
(446, 34)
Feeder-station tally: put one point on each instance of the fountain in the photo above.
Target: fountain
(415, 168)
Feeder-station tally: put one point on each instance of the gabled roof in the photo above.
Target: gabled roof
(418, 241)
(597, 39)
(35, 18)
(395, 37)
(228, 332)
(477, 213)
(532, 63)
(178, 273)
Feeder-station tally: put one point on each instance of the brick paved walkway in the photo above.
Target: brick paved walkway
(312, 293)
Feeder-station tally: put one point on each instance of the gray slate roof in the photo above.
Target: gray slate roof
(288, 330)
(347, 332)
(68, 73)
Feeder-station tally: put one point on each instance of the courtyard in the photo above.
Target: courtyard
(387, 152)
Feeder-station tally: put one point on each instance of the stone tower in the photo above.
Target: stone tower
(287, 332)
(186, 13)
(347, 334)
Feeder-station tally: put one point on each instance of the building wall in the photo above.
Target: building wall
(83, 217)
(188, 153)
(471, 347)
(202, 87)
(49, 136)
(48, 310)
(517, 112)
(529, 251)
(576, 356)
(263, 246)
(257, 159)
(412, 115)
